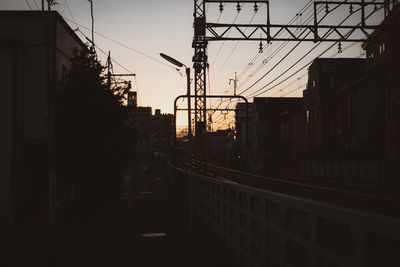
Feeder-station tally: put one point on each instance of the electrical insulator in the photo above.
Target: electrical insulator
(340, 48)
(260, 48)
(255, 7)
(221, 7)
(351, 9)
(238, 7)
(326, 8)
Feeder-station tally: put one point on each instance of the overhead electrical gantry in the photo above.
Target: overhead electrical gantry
(205, 32)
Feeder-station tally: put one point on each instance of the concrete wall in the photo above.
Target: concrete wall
(6, 135)
(264, 228)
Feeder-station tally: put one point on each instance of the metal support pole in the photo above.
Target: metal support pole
(234, 83)
(189, 104)
(315, 23)
(363, 13)
(191, 152)
(109, 70)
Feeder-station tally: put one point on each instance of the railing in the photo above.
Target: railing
(264, 228)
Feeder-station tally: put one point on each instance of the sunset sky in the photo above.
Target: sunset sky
(160, 26)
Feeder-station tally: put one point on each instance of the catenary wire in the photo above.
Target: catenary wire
(254, 94)
(123, 45)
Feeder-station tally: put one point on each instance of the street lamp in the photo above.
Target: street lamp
(180, 65)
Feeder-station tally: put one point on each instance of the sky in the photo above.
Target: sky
(160, 26)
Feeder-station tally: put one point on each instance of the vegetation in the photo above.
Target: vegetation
(91, 133)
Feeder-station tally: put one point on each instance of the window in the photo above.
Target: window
(308, 116)
(382, 48)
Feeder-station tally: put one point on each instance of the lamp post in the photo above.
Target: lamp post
(180, 65)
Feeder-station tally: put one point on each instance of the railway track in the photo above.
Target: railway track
(340, 196)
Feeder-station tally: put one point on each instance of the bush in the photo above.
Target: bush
(92, 138)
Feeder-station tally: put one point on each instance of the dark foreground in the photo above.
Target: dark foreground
(112, 237)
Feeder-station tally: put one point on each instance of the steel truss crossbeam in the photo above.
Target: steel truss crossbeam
(296, 32)
(211, 109)
(271, 32)
(316, 32)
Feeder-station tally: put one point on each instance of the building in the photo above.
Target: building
(153, 137)
(243, 128)
(352, 126)
(220, 147)
(32, 68)
(325, 76)
(163, 133)
(274, 135)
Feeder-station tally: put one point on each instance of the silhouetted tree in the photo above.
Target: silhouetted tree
(91, 133)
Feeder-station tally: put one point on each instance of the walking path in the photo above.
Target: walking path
(114, 237)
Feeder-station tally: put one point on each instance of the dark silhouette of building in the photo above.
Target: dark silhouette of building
(163, 133)
(351, 113)
(35, 52)
(326, 76)
(243, 131)
(220, 145)
(273, 133)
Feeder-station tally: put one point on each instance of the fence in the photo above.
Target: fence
(264, 228)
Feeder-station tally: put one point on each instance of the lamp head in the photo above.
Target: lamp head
(172, 60)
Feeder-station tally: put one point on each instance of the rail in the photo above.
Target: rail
(264, 228)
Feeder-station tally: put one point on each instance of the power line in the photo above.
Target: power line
(265, 61)
(37, 7)
(249, 65)
(307, 6)
(223, 43)
(70, 12)
(26, 1)
(276, 51)
(280, 61)
(334, 55)
(234, 48)
(294, 90)
(254, 94)
(122, 44)
(102, 51)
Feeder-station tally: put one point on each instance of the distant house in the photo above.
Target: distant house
(163, 133)
(274, 133)
(220, 146)
(33, 66)
(243, 127)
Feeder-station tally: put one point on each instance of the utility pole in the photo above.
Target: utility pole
(109, 75)
(234, 83)
(109, 70)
